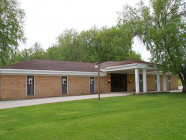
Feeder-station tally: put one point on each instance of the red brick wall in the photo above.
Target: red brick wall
(13, 87)
(105, 87)
(131, 86)
(78, 85)
(174, 82)
(151, 83)
(47, 86)
(81, 85)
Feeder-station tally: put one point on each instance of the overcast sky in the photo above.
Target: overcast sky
(46, 19)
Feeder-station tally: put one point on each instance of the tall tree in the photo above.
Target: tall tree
(162, 28)
(11, 28)
(24, 55)
(37, 52)
(114, 46)
(105, 44)
(89, 42)
(53, 53)
(68, 45)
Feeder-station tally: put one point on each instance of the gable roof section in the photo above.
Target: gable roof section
(38, 64)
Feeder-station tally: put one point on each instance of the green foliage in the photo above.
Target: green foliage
(105, 44)
(132, 55)
(53, 53)
(113, 44)
(153, 116)
(162, 28)
(36, 52)
(69, 47)
(11, 28)
(24, 55)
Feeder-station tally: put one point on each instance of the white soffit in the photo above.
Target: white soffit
(130, 66)
(49, 73)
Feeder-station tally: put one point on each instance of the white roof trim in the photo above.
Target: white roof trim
(121, 67)
(146, 66)
(49, 73)
(130, 66)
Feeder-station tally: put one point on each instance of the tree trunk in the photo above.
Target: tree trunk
(184, 88)
(183, 80)
(184, 83)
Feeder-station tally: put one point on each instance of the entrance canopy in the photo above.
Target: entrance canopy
(135, 67)
(128, 67)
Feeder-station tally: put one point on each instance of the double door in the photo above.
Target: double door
(118, 82)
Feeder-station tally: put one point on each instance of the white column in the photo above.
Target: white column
(144, 81)
(137, 80)
(164, 83)
(158, 81)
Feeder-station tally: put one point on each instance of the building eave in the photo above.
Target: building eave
(130, 66)
(49, 73)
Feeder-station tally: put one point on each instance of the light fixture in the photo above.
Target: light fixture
(92, 81)
(96, 65)
(130, 81)
(108, 80)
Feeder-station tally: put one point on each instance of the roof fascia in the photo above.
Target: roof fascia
(49, 73)
(146, 66)
(130, 66)
(121, 67)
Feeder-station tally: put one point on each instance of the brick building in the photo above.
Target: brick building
(49, 78)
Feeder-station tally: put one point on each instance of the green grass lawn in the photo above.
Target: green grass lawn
(153, 116)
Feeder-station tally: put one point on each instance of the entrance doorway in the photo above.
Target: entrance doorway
(30, 85)
(92, 85)
(118, 82)
(64, 84)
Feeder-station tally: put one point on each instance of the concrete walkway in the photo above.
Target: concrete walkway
(29, 102)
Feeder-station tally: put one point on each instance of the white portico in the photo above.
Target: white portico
(140, 70)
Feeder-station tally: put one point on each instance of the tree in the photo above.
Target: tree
(37, 52)
(132, 55)
(24, 55)
(105, 44)
(53, 53)
(162, 28)
(68, 45)
(113, 44)
(11, 28)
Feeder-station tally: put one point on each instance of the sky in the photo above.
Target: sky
(46, 19)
